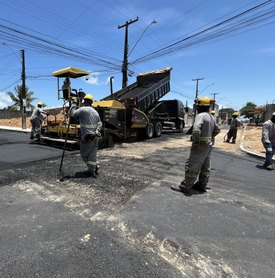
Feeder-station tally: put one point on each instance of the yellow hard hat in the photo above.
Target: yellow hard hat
(39, 104)
(235, 114)
(203, 101)
(89, 97)
(213, 112)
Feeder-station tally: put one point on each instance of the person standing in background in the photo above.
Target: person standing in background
(268, 140)
(233, 129)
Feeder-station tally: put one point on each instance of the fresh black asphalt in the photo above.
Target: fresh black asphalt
(147, 230)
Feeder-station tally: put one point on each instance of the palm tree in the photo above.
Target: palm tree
(17, 97)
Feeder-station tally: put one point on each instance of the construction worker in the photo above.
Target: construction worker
(213, 112)
(232, 133)
(37, 117)
(268, 140)
(90, 127)
(66, 88)
(198, 163)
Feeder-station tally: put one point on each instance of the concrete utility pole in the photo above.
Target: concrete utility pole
(197, 93)
(215, 99)
(23, 91)
(197, 85)
(111, 87)
(215, 94)
(125, 58)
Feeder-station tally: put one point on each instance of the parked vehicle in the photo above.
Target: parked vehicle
(171, 115)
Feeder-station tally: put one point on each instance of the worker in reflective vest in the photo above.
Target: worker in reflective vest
(90, 127)
(197, 166)
(233, 129)
(38, 115)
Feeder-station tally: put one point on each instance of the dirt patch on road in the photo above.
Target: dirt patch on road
(249, 138)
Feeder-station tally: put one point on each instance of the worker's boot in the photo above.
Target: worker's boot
(96, 170)
(199, 187)
(92, 173)
(182, 188)
(269, 167)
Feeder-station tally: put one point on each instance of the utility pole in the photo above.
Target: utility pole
(125, 58)
(197, 94)
(215, 95)
(23, 90)
(214, 99)
(197, 85)
(111, 86)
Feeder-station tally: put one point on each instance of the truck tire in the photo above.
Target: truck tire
(150, 131)
(157, 129)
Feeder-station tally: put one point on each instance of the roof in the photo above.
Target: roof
(70, 72)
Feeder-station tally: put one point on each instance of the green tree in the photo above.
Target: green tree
(248, 110)
(17, 98)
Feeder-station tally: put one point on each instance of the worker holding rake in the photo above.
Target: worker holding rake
(90, 127)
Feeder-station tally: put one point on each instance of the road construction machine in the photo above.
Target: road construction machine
(135, 111)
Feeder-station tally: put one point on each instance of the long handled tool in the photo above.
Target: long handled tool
(225, 137)
(61, 174)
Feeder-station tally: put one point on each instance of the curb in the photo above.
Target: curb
(15, 129)
(243, 149)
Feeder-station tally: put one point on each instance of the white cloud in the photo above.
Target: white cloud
(93, 78)
(5, 100)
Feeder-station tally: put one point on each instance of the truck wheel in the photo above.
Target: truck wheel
(157, 129)
(150, 131)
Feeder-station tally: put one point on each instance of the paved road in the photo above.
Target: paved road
(129, 223)
(15, 148)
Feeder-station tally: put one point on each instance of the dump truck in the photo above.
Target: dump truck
(144, 95)
(134, 111)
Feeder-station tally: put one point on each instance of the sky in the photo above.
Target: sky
(229, 45)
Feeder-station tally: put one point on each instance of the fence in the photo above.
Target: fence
(10, 114)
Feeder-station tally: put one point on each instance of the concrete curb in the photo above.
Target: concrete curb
(243, 149)
(16, 129)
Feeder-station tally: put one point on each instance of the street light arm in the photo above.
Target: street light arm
(12, 51)
(206, 88)
(153, 22)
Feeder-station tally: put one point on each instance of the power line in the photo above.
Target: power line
(232, 24)
(4, 89)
